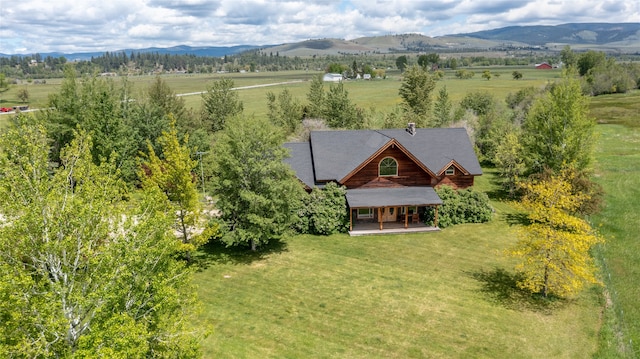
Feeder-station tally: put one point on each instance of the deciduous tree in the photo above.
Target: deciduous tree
(486, 74)
(557, 131)
(23, 95)
(257, 192)
(401, 62)
(417, 86)
(219, 104)
(554, 247)
(284, 111)
(82, 273)
(339, 111)
(173, 174)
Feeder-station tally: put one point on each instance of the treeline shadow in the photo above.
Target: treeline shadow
(216, 252)
(501, 287)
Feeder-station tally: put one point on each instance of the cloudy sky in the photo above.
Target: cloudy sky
(29, 26)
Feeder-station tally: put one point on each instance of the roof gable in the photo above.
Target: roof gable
(337, 155)
(392, 142)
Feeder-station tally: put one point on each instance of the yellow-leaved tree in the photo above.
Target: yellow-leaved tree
(554, 247)
(173, 174)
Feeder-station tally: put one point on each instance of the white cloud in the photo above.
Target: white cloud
(29, 26)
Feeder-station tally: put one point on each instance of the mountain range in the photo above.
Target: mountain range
(608, 37)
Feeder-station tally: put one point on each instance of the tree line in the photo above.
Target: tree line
(37, 66)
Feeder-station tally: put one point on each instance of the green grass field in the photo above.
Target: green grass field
(377, 94)
(618, 170)
(438, 295)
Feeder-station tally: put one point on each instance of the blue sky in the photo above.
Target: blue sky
(30, 26)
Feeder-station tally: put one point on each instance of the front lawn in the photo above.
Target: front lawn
(436, 295)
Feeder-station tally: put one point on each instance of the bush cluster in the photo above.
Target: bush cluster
(463, 206)
(323, 211)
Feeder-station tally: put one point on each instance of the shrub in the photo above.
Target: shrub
(463, 206)
(464, 74)
(324, 211)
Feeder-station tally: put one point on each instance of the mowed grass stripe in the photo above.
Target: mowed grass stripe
(386, 296)
(618, 170)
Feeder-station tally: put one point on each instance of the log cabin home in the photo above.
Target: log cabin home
(389, 174)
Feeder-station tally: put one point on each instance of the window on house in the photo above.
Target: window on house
(365, 212)
(411, 210)
(450, 171)
(388, 167)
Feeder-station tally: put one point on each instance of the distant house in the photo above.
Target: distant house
(543, 66)
(390, 175)
(331, 77)
(366, 76)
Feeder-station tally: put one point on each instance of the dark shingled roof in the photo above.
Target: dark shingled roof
(332, 155)
(401, 196)
(301, 161)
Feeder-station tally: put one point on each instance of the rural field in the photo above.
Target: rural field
(449, 294)
(375, 94)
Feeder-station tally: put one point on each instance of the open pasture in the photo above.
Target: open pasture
(380, 95)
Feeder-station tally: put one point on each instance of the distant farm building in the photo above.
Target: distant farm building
(543, 66)
(332, 77)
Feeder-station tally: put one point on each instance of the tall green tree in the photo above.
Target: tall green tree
(220, 103)
(510, 162)
(284, 111)
(82, 273)
(23, 95)
(257, 192)
(401, 62)
(100, 107)
(425, 61)
(339, 111)
(568, 57)
(442, 108)
(316, 98)
(173, 174)
(557, 131)
(416, 89)
(590, 60)
(554, 247)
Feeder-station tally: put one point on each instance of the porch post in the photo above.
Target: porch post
(380, 218)
(406, 217)
(435, 220)
(350, 219)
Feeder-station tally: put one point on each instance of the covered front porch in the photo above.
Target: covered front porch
(392, 208)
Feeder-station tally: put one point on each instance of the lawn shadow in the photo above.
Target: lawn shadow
(217, 252)
(517, 219)
(501, 287)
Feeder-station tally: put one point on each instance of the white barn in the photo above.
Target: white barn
(330, 77)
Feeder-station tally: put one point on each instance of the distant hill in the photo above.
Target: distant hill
(614, 38)
(582, 33)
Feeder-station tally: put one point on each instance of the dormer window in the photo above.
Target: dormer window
(450, 171)
(388, 167)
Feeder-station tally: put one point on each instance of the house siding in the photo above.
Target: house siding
(456, 181)
(409, 173)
